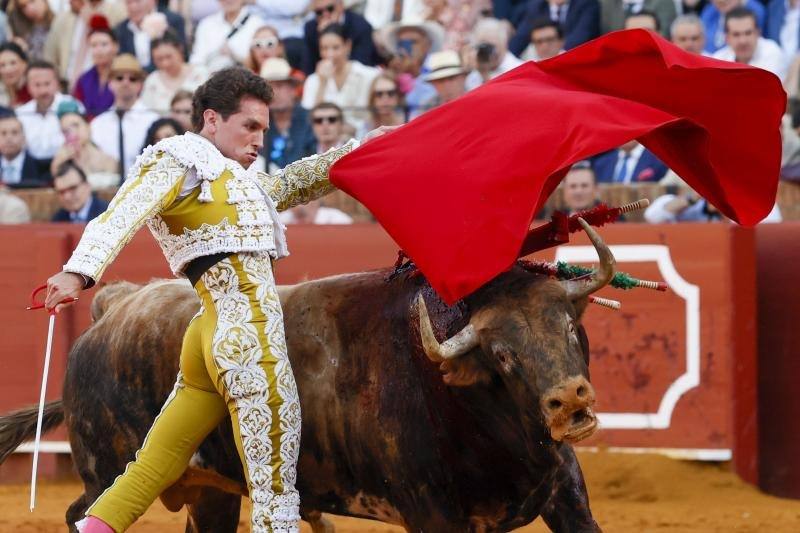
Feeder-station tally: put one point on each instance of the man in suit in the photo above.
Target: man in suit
(614, 12)
(356, 26)
(133, 36)
(579, 18)
(289, 136)
(78, 204)
(631, 163)
(19, 169)
(67, 45)
(580, 188)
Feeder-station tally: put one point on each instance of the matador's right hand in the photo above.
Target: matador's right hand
(62, 286)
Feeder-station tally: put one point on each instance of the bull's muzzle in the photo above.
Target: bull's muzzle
(568, 410)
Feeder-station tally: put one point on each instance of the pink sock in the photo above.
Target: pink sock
(92, 524)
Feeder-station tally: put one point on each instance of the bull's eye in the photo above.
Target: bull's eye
(572, 327)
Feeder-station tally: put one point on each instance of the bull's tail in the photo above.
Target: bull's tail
(20, 426)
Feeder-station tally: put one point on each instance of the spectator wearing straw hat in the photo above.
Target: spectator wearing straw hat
(120, 131)
(290, 136)
(411, 42)
(448, 77)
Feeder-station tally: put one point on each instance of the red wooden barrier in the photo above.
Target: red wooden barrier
(674, 371)
(779, 361)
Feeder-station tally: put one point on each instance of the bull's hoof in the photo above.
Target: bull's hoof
(178, 495)
(318, 523)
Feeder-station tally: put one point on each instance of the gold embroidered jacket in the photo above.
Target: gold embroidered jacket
(197, 202)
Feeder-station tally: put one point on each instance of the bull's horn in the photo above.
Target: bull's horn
(577, 289)
(458, 344)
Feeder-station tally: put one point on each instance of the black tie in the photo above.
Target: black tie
(120, 114)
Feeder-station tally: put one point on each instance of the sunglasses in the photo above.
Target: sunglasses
(327, 9)
(391, 93)
(329, 120)
(133, 78)
(265, 43)
(545, 40)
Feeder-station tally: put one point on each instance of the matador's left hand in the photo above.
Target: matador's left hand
(377, 132)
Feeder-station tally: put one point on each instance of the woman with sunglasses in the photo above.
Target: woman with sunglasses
(223, 39)
(386, 106)
(338, 79)
(91, 88)
(266, 45)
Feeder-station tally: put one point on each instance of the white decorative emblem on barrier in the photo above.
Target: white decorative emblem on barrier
(634, 253)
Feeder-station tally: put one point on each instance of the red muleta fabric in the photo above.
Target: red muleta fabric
(458, 187)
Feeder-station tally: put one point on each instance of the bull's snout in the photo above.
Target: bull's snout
(567, 409)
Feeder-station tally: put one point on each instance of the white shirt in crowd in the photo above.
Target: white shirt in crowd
(509, 61)
(768, 55)
(657, 212)
(353, 94)
(43, 132)
(157, 95)
(324, 215)
(379, 13)
(287, 16)
(214, 32)
(12, 169)
(141, 44)
(135, 123)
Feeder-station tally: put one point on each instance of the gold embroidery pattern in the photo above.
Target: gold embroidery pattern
(259, 271)
(237, 353)
(210, 239)
(137, 200)
(304, 180)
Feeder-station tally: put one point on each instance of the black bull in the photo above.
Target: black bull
(387, 434)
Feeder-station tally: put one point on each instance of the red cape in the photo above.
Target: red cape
(458, 187)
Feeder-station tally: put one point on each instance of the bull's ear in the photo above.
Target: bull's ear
(580, 307)
(465, 371)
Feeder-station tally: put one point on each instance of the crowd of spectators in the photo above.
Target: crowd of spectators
(86, 84)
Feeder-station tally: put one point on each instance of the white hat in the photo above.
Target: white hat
(444, 64)
(276, 69)
(433, 30)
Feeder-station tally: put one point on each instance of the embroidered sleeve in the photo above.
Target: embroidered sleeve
(153, 184)
(304, 180)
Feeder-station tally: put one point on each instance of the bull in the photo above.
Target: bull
(470, 433)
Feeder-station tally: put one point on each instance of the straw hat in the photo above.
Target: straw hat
(445, 64)
(433, 30)
(126, 63)
(276, 69)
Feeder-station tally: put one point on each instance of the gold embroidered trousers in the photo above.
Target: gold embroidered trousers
(234, 361)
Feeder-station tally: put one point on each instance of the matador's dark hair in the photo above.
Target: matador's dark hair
(224, 91)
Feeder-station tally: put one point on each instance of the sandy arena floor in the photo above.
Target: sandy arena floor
(629, 494)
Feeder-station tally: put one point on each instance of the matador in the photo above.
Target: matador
(216, 221)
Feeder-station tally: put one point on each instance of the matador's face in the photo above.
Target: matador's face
(241, 136)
